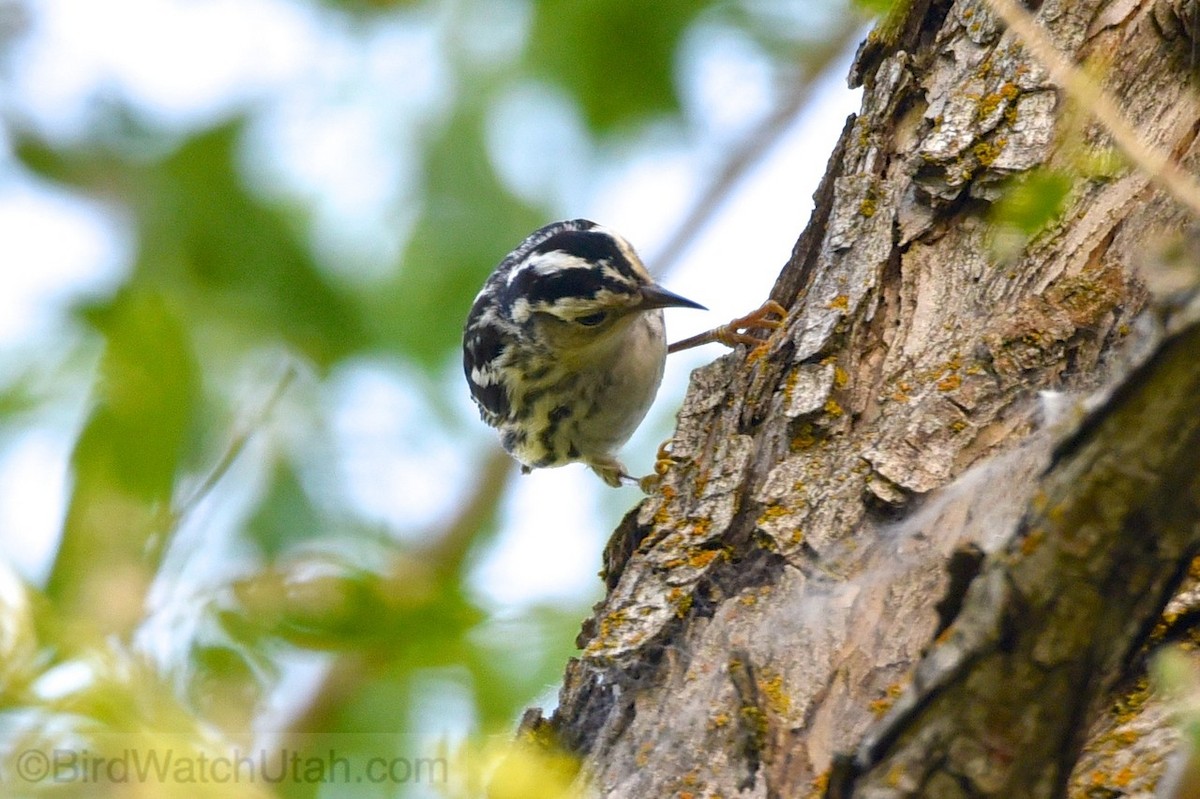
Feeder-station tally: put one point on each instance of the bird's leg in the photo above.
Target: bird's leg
(610, 471)
(737, 331)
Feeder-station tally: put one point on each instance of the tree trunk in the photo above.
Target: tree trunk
(875, 566)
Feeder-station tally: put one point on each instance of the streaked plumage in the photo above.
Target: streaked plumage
(564, 347)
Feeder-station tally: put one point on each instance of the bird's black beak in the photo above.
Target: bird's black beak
(655, 296)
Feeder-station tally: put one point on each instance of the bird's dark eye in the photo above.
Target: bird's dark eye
(592, 319)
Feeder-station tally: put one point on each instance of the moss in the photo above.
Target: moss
(840, 303)
(681, 600)
(662, 516)
(805, 438)
(867, 207)
(789, 384)
(779, 701)
(756, 723)
(986, 153)
(832, 408)
(988, 104)
(840, 377)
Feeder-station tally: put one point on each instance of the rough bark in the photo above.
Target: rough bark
(874, 569)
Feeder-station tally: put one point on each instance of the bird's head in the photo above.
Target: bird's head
(575, 285)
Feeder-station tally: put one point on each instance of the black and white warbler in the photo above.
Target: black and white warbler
(564, 346)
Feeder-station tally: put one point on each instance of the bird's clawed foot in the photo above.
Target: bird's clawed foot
(613, 472)
(662, 462)
(738, 331)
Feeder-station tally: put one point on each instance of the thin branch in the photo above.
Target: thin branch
(449, 549)
(236, 445)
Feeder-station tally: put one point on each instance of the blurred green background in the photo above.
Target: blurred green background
(243, 493)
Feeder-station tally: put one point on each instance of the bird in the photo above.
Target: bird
(564, 347)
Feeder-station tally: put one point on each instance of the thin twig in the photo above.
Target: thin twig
(238, 443)
(749, 152)
(1085, 91)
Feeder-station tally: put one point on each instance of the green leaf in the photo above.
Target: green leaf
(126, 460)
(239, 260)
(881, 8)
(468, 223)
(285, 517)
(1033, 202)
(615, 56)
(235, 263)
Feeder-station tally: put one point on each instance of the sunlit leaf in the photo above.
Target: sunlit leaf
(879, 8)
(126, 461)
(224, 687)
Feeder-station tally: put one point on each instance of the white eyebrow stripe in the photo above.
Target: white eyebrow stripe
(548, 263)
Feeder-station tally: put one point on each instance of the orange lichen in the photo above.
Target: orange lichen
(949, 383)
(1032, 541)
(881, 706)
(701, 558)
(771, 513)
(642, 758)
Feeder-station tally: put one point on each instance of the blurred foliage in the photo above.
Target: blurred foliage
(611, 54)
(1033, 201)
(224, 278)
